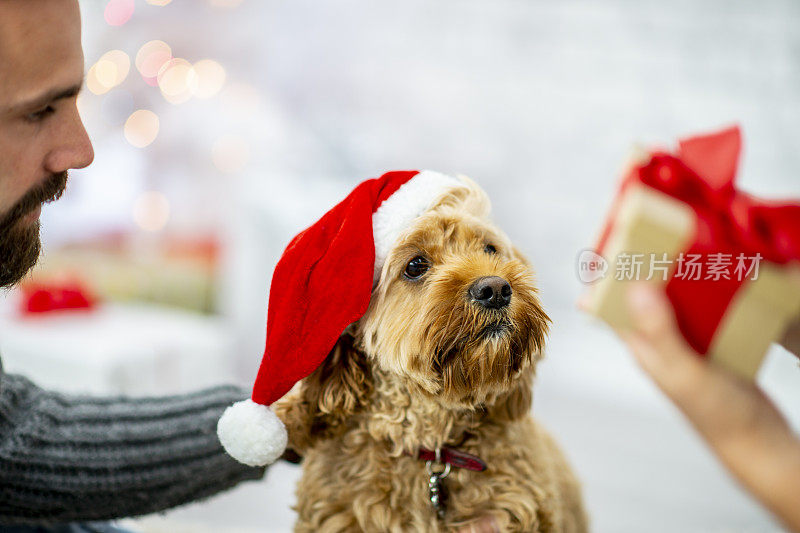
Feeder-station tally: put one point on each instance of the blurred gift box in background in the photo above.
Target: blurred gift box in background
(223, 127)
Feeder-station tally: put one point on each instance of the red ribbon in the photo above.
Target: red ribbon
(701, 174)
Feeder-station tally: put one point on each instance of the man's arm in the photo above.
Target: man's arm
(65, 458)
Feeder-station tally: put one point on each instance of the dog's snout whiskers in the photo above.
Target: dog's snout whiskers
(496, 328)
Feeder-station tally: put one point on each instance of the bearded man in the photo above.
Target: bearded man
(68, 460)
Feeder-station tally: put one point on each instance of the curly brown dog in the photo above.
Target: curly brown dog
(444, 358)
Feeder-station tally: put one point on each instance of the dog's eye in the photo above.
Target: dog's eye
(490, 249)
(417, 267)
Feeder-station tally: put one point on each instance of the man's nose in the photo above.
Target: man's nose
(492, 292)
(71, 145)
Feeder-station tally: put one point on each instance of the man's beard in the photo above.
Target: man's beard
(19, 242)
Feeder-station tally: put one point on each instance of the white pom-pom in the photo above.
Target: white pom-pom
(251, 433)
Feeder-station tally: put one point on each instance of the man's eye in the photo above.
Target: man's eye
(490, 249)
(417, 267)
(40, 115)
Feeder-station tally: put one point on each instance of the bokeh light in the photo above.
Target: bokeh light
(230, 153)
(110, 70)
(93, 83)
(141, 128)
(150, 58)
(159, 3)
(151, 211)
(118, 12)
(210, 78)
(177, 80)
(80, 103)
(106, 72)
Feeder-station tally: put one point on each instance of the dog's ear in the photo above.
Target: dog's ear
(468, 197)
(515, 403)
(341, 384)
(322, 402)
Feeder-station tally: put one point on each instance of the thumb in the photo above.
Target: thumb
(656, 341)
(654, 319)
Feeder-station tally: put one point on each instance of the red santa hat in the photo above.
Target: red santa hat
(321, 284)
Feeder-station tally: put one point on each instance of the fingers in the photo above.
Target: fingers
(583, 301)
(658, 345)
(652, 314)
(791, 339)
(701, 390)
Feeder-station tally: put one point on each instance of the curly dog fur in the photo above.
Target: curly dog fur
(427, 367)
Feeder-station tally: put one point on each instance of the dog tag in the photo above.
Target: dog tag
(437, 494)
(436, 489)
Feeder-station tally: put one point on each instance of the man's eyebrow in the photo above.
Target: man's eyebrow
(48, 97)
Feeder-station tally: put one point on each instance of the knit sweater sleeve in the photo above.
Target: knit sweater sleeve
(69, 458)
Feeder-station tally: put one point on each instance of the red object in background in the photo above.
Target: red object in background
(46, 297)
(702, 175)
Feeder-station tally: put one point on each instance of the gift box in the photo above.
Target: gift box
(728, 262)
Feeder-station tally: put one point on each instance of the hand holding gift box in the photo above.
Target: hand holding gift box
(729, 263)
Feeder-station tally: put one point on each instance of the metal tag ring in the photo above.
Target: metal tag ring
(442, 473)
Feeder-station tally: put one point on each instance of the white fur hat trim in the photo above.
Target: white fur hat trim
(252, 434)
(398, 211)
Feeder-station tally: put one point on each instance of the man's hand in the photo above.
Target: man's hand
(740, 424)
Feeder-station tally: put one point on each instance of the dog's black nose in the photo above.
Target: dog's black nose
(492, 292)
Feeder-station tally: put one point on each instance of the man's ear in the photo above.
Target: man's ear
(321, 404)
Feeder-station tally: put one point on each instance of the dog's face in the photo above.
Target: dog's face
(454, 320)
(455, 310)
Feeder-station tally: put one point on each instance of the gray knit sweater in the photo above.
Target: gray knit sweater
(69, 458)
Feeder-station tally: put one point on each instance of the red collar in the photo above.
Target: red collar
(453, 457)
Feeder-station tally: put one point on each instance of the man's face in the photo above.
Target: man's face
(41, 134)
